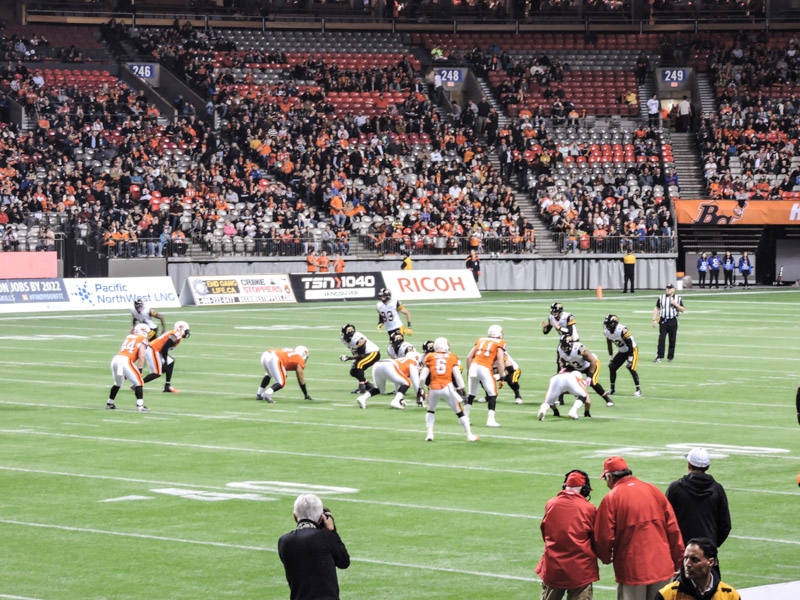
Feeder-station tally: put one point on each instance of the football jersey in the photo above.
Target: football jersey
(486, 349)
(574, 359)
(359, 344)
(401, 350)
(143, 316)
(566, 321)
(130, 347)
(621, 338)
(158, 343)
(441, 366)
(389, 314)
(290, 360)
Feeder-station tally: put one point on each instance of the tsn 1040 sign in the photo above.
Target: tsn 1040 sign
(336, 286)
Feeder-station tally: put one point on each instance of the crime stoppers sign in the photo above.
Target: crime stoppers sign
(430, 285)
(336, 286)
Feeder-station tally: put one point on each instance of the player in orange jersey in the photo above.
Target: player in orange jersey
(486, 356)
(276, 363)
(446, 384)
(127, 364)
(158, 358)
(403, 372)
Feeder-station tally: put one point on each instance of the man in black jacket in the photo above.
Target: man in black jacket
(700, 502)
(312, 552)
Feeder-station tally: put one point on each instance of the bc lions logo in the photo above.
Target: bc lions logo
(710, 213)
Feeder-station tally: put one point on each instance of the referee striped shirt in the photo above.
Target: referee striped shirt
(666, 311)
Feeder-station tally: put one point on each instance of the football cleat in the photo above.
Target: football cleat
(541, 415)
(362, 400)
(611, 392)
(638, 393)
(111, 406)
(518, 400)
(259, 397)
(573, 414)
(142, 408)
(656, 359)
(609, 402)
(470, 437)
(398, 404)
(170, 390)
(493, 423)
(555, 411)
(429, 437)
(586, 413)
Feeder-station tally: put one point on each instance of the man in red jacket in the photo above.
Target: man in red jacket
(569, 563)
(635, 527)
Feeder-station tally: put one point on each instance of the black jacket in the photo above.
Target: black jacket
(701, 507)
(310, 557)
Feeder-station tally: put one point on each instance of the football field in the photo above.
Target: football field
(188, 501)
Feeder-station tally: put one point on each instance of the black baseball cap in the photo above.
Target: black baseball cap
(670, 285)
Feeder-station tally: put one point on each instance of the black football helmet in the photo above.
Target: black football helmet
(611, 322)
(348, 331)
(427, 346)
(138, 304)
(565, 343)
(556, 308)
(384, 294)
(396, 337)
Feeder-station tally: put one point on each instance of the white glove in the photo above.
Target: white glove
(344, 358)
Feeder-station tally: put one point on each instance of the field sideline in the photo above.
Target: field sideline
(188, 501)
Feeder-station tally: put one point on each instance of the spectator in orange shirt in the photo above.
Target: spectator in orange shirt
(338, 264)
(311, 262)
(324, 262)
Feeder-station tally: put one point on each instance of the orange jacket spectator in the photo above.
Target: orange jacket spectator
(311, 263)
(338, 264)
(324, 262)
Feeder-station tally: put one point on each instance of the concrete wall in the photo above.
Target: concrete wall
(584, 272)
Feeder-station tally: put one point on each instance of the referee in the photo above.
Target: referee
(668, 308)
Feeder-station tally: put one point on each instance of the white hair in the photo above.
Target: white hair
(308, 506)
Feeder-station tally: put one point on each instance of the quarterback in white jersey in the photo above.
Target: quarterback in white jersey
(563, 322)
(566, 382)
(398, 346)
(402, 372)
(389, 314)
(144, 314)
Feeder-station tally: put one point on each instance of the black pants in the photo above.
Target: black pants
(701, 276)
(728, 278)
(713, 280)
(669, 328)
(629, 273)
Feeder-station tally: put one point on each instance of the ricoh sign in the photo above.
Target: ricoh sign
(438, 284)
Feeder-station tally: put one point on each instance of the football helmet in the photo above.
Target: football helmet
(427, 346)
(611, 322)
(396, 337)
(565, 343)
(415, 356)
(302, 351)
(384, 294)
(138, 304)
(183, 328)
(441, 344)
(556, 308)
(495, 331)
(348, 331)
(142, 329)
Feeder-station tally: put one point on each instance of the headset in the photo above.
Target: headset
(586, 488)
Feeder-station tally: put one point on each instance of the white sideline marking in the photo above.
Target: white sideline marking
(18, 597)
(127, 498)
(371, 561)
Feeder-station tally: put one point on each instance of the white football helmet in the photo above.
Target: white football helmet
(302, 351)
(183, 328)
(415, 356)
(142, 329)
(495, 331)
(441, 344)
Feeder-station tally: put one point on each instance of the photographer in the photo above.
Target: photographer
(311, 553)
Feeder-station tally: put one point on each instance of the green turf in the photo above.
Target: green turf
(100, 504)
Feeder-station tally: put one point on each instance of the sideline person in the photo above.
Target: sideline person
(312, 552)
(629, 271)
(697, 579)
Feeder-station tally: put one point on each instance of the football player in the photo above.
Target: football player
(627, 352)
(566, 382)
(562, 322)
(127, 364)
(402, 372)
(510, 376)
(574, 356)
(487, 355)
(363, 352)
(389, 314)
(144, 314)
(398, 346)
(446, 384)
(158, 359)
(276, 363)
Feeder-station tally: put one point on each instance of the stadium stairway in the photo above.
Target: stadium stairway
(688, 166)
(708, 96)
